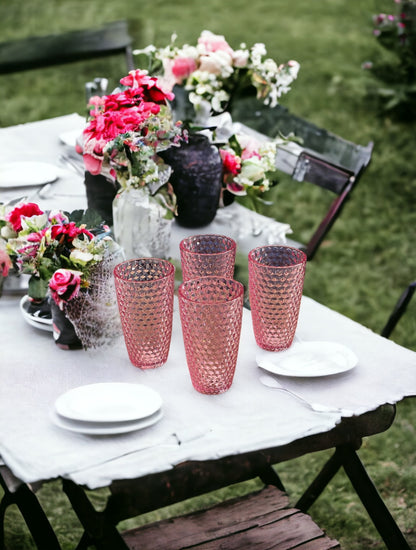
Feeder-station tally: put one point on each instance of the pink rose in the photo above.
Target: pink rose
(182, 67)
(5, 263)
(26, 210)
(64, 285)
(249, 153)
(214, 43)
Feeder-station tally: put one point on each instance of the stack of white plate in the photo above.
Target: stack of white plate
(107, 408)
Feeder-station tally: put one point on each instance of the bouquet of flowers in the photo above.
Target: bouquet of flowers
(58, 253)
(395, 68)
(125, 132)
(213, 72)
(249, 167)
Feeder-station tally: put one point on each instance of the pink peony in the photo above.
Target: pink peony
(182, 67)
(64, 285)
(26, 210)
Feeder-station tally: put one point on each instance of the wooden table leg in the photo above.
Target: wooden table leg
(98, 530)
(33, 514)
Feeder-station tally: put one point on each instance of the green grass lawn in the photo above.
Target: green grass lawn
(368, 258)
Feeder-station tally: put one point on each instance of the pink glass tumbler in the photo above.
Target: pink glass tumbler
(144, 289)
(207, 255)
(211, 311)
(276, 276)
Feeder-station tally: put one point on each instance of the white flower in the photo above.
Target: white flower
(252, 170)
(240, 58)
(7, 232)
(34, 223)
(219, 63)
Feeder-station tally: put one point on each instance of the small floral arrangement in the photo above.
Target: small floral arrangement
(125, 132)
(58, 253)
(249, 166)
(213, 72)
(396, 33)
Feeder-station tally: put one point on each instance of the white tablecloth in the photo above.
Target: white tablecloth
(34, 372)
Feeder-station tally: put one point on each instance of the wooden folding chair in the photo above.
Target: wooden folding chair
(57, 49)
(322, 158)
(399, 309)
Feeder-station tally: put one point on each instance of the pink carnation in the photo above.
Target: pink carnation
(148, 85)
(69, 231)
(26, 210)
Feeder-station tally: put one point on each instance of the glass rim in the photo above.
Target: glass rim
(239, 285)
(300, 261)
(170, 271)
(232, 242)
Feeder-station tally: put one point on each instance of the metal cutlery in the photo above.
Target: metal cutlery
(75, 164)
(273, 383)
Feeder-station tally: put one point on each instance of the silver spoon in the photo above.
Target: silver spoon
(271, 382)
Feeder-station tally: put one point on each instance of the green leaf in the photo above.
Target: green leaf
(38, 287)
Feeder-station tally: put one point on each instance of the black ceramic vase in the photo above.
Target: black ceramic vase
(196, 180)
(100, 194)
(63, 330)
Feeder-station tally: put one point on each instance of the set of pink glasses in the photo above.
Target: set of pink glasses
(210, 305)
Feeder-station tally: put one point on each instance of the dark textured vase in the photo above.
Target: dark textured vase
(63, 330)
(100, 195)
(196, 180)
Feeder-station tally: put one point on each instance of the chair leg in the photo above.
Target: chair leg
(372, 501)
(398, 310)
(34, 516)
(347, 457)
(317, 486)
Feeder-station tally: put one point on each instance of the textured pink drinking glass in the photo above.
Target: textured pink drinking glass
(144, 288)
(206, 255)
(276, 276)
(211, 311)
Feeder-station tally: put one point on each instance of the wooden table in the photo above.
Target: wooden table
(203, 442)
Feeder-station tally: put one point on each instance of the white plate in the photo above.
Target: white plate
(22, 174)
(105, 428)
(108, 402)
(70, 138)
(308, 359)
(38, 322)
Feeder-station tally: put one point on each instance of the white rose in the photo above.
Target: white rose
(80, 256)
(252, 170)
